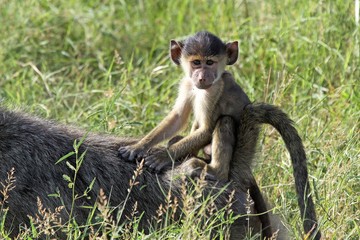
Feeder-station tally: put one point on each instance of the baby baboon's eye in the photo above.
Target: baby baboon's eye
(209, 62)
(196, 62)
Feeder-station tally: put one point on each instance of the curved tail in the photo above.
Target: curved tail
(265, 113)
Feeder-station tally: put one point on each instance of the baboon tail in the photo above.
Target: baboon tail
(265, 113)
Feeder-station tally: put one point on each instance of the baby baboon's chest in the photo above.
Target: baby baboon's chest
(206, 108)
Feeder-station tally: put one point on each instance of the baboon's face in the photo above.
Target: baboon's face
(204, 71)
(203, 57)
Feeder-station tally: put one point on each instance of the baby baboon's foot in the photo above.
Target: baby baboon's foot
(194, 167)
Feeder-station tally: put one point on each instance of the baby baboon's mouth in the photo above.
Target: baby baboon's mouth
(203, 86)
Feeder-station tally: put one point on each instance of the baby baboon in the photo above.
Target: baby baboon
(211, 93)
(208, 91)
(243, 148)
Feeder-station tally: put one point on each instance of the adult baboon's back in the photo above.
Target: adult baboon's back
(32, 146)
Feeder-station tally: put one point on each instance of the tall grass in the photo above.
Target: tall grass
(104, 65)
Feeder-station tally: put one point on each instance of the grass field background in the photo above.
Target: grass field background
(104, 66)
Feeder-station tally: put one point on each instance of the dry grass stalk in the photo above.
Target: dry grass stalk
(7, 186)
(46, 221)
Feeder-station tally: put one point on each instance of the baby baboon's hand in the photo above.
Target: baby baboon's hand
(157, 160)
(132, 152)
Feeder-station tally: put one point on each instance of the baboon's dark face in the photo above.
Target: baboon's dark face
(204, 71)
(203, 57)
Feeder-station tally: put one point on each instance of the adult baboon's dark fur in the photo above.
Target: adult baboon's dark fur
(32, 146)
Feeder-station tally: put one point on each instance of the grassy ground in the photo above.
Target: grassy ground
(105, 66)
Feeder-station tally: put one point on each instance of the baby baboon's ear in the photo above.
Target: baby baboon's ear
(232, 50)
(175, 51)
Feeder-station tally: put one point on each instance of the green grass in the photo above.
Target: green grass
(105, 66)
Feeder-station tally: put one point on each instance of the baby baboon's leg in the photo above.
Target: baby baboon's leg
(222, 148)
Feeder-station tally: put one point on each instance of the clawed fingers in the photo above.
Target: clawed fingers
(132, 155)
(162, 164)
(152, 163)
(129, 153)
(123, 153)
(157, 161)
(122, 150)
(149, 160)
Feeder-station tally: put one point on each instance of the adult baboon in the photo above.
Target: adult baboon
(32, 146)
